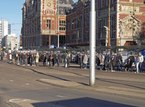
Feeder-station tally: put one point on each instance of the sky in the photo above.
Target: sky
(75, 0)
(11, 11)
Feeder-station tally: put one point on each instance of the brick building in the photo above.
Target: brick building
(78, 24)
(42, 24)
(126, 16)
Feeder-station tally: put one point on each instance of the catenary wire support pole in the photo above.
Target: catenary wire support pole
(57, 23)
(133, 14)
(92, 43)
(109, 42)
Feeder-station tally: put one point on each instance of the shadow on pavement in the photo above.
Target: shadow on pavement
(87, 84)
(56, 77)
(121, 83)
(80, 102)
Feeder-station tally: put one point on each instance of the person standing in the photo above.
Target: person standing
(66, 60)
(85, 60)
(137, 63)
(141, 59)
(80, 59)
(37, 58)
(10, 58)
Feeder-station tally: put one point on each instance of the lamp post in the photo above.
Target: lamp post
(57, 23)
(133, 14)
(92, 43)
(20, 47)
(106, 28)
(4, 48)
(109, 43)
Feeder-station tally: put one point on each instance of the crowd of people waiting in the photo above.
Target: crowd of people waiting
(104, 61)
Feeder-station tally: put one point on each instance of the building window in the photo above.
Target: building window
(62, 23)
(48, 23)
(61, 28)
(72, 24)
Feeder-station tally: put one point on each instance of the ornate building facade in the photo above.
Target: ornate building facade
(121, 19)
(131, 14)
(43, 22)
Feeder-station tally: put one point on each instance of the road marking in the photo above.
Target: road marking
(60, 96)
(19, 100)
(11, 80)
(27, 84)
(22, 102)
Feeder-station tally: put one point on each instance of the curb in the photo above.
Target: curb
(29, 103)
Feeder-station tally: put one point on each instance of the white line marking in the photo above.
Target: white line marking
(27, 83)
(11, 80)
(19, 100)
(60, 96)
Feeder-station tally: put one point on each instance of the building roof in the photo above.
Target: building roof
(66, 1)
(76, 5)
(84, 1)
(64, 6)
